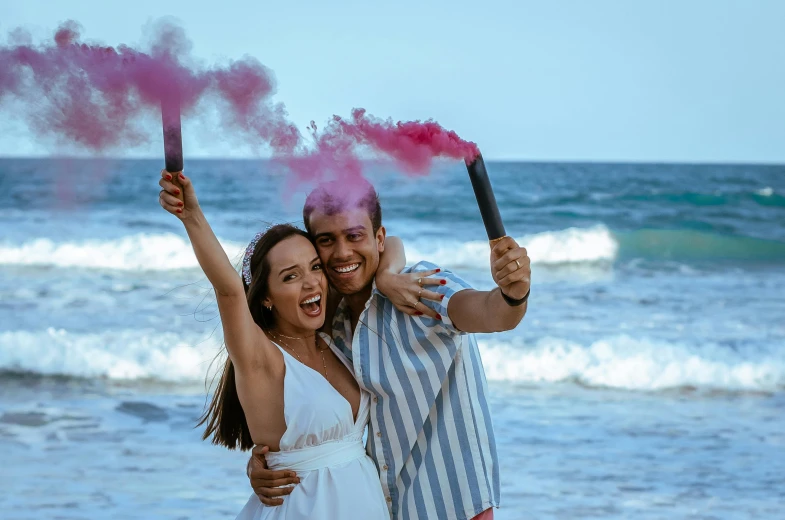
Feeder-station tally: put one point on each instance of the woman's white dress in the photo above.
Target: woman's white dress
(323, 445)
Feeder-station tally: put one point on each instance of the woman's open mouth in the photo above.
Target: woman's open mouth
(312, 306)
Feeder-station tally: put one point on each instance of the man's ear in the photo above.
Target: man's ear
(381, 234)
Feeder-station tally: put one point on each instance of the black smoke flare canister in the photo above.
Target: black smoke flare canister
(485, 198)
(173, 139)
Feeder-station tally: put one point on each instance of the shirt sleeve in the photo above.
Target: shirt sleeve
(454, 285)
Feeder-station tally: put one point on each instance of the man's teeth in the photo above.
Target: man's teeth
(347, 269)
(312, 300)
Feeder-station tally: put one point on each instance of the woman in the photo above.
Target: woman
(284, 384)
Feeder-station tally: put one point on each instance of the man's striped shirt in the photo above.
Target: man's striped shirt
(430, 433)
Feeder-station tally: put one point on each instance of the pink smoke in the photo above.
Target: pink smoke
(97, 97)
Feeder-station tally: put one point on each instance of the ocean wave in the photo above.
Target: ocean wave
(619, 362)
(598, 245)
(139, 252)
(627, 363)
(573, 245)
(567, 248)
(691, 245)
(120, 354)
(765, 196)
(170, 251)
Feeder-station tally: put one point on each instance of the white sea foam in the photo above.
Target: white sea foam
(620, 362)
(169, 251)
(765, 192)
(120, 354)
(629, 363)
(568, 246)
(134, 252)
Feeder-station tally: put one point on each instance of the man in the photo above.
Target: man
(430, 433)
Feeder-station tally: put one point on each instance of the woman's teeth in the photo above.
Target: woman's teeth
(311, 300)
(312, 306)
(347, 269)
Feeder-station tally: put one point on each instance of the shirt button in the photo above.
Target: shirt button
(389, 499)
(375, 399)
(378, 434)
(385, 467)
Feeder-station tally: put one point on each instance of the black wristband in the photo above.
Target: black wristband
(515, 303)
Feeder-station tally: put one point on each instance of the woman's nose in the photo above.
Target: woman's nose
(313, 279)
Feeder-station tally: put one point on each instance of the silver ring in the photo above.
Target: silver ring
(415, 305)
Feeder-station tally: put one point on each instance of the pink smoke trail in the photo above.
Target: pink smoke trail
(97, 96)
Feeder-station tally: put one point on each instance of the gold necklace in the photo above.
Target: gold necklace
(315, 344)
(291, 337)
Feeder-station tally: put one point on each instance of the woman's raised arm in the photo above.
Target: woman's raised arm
(209, 253)
(241, 333)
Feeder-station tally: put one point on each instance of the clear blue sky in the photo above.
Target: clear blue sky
(689, 80)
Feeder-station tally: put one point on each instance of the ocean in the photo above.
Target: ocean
(647, 380)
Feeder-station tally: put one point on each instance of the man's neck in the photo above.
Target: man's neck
(356, 303)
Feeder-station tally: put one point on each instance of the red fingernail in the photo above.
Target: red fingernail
(442, 297)
(417, 313)
(438, 316)
(443, 282)
(176, 191)
(180, 203)
(179, 210)
(182, 178)
(168, 177)
(438, 270)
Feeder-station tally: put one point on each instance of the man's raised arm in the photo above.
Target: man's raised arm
(490, 311)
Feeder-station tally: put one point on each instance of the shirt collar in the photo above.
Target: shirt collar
(342, 312)
(374, 290)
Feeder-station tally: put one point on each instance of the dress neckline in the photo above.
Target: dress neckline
(320, 376)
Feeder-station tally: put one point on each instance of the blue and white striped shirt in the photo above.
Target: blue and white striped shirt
(430, 434)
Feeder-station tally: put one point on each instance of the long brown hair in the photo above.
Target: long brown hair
(224, 417)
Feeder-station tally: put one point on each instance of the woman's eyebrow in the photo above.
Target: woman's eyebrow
(287, 269)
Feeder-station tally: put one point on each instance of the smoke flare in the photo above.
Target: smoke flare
(98, 98)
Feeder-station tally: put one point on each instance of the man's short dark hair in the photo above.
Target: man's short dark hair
(335, 197)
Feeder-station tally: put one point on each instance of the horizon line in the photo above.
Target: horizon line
(487, 159)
